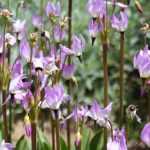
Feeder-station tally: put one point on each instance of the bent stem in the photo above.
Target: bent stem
(121, 77)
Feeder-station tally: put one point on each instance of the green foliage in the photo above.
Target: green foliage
(85, 138)
(63, 144)
(42, 142)
(95, 141)
(23, 144)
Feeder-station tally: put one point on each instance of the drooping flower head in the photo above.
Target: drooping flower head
(25, 49)
(120, 23)
(118, 142)
(54, 97)
(94, 28)
(68, 71)
(100, 115)
(96, 8)
(9, 40)
(59, 33)
(141, 62)
(19, 27)
(37, 21)
(145, 134)
(79, 113)
(78, 45)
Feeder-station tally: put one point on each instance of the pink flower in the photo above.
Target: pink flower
(145, 134)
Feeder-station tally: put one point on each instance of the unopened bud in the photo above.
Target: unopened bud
(138, 6)
(28, 128)
(78, 139)
(5, 13)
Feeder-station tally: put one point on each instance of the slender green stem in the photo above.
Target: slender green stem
(121, 77)
(10, 102)
(8, 3)
(57, 134)
(69, 61)
(4, 106)
(105, 69)
(41, 7)
(33, 136)
(69, 22)
(30, 63)
(4, 113)
(52, 132)
(10, 119)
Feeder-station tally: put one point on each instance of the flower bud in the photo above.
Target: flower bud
(138, 6)
(78, 139)
(28, 128)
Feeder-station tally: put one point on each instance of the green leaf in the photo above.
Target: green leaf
(42, 142)
(63, 144)
(85, 139)
(95, 141)
(23, 144)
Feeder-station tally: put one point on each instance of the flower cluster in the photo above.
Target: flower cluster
(100, 18)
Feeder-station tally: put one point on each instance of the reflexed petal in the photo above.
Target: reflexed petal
(78, 44)
(94, 28)
(145, 134)
(37, 21)
(118, 142)
(120, 23)
(53, 10)
(67, 50)
(25, 49)
(58, 33)
(10, 39)
(96, 8)
(19, 26)
(17, 68)
(68, 71)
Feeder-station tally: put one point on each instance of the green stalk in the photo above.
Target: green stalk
(10, 119)
(4, 106)
(69, 61)
(33, 135)
(121, 77)
(8, 3)
(41, 7)
(4, 113)
(105, 69)
(104, 40)
(53, 131)
(57, 134)
(33, 109)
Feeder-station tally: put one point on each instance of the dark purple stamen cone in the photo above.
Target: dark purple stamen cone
(93, 40)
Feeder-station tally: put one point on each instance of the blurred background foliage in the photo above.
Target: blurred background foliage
(89, 72)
